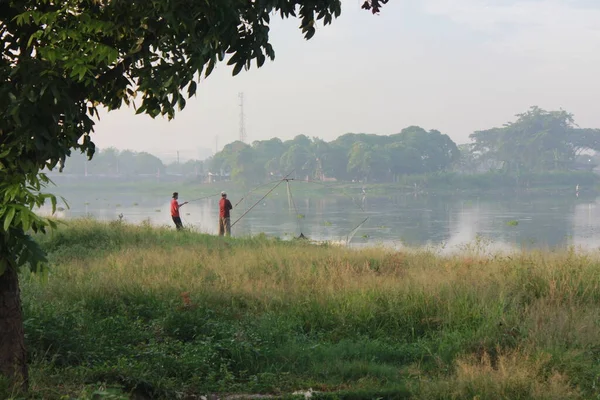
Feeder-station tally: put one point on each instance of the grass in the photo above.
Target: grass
(164, 314)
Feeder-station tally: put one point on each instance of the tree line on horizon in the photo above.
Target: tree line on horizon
(538, 141)
(114, 162)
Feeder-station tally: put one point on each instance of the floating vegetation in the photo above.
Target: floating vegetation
(117, 205)
(300, 216)
(157, 210)
(60, 209)
(365, 236)
(514, 222)
(87, 203)
(135, 204)
(382, 227)
(327, 223)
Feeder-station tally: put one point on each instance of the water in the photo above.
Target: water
(442, 222)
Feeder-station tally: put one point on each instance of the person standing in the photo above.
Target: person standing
(175, 211)
(224, 221)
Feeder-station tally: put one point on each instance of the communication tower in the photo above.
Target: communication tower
(242, 119)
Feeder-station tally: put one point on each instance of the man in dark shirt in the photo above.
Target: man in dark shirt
(224, 221)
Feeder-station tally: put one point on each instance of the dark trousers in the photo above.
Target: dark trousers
(178, 223)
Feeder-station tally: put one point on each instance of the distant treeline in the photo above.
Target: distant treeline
(538, 141)
(112, 162)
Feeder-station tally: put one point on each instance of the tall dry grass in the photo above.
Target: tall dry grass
(462, 326)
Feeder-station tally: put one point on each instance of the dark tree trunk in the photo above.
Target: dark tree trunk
(12, 339)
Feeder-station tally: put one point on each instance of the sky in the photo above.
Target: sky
(453, 65)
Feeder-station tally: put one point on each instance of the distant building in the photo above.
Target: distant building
(212, 177)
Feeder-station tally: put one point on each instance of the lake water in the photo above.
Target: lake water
(444, 223)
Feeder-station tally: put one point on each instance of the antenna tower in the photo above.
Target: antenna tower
(242, 119)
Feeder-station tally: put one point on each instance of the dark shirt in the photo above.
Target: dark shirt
(224, 207)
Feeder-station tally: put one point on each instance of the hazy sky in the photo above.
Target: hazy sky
(452, 65)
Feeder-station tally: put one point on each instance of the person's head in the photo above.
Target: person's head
(175, 195)
(223, 194)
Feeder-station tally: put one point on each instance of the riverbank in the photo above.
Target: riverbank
(443, 183)
(170, 314)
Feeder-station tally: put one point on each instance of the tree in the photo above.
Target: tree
(296, 158)
(245, 169)
(437, 151)
(268, 153)
(360, 159)
(63, 59)
(537, 141)
(468, 161)
(404, 160)
(335, 162)
(188, 168)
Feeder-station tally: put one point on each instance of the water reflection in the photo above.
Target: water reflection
(446, 223)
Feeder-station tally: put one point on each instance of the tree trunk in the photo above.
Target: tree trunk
(13, 362)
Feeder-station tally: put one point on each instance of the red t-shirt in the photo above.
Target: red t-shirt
(174, 208)
(224, 207)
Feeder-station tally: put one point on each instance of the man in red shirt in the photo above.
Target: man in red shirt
(224, 221)
(175, 210)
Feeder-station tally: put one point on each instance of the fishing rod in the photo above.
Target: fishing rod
(293, 203)
(343, 192)
(256, 188)
(206, 197)
(353, 231)
(262, 198)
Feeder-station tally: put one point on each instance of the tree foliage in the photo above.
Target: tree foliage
(62, 60)
(538, 141)
(361, 156)
(113, 162)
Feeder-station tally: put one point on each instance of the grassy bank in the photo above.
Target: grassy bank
(170, 315)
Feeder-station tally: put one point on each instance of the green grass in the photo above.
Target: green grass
(170, 314)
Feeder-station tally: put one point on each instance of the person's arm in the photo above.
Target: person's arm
(183, 204)
(229, 205)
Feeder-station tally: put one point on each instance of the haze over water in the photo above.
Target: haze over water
(446, 223)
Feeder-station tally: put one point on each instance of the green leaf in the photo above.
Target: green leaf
(211, 66)
(192, 89)
(53, 201)
(25, 221)
(260, 60)
(181, 103)
(238, 67)
(8, 218)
